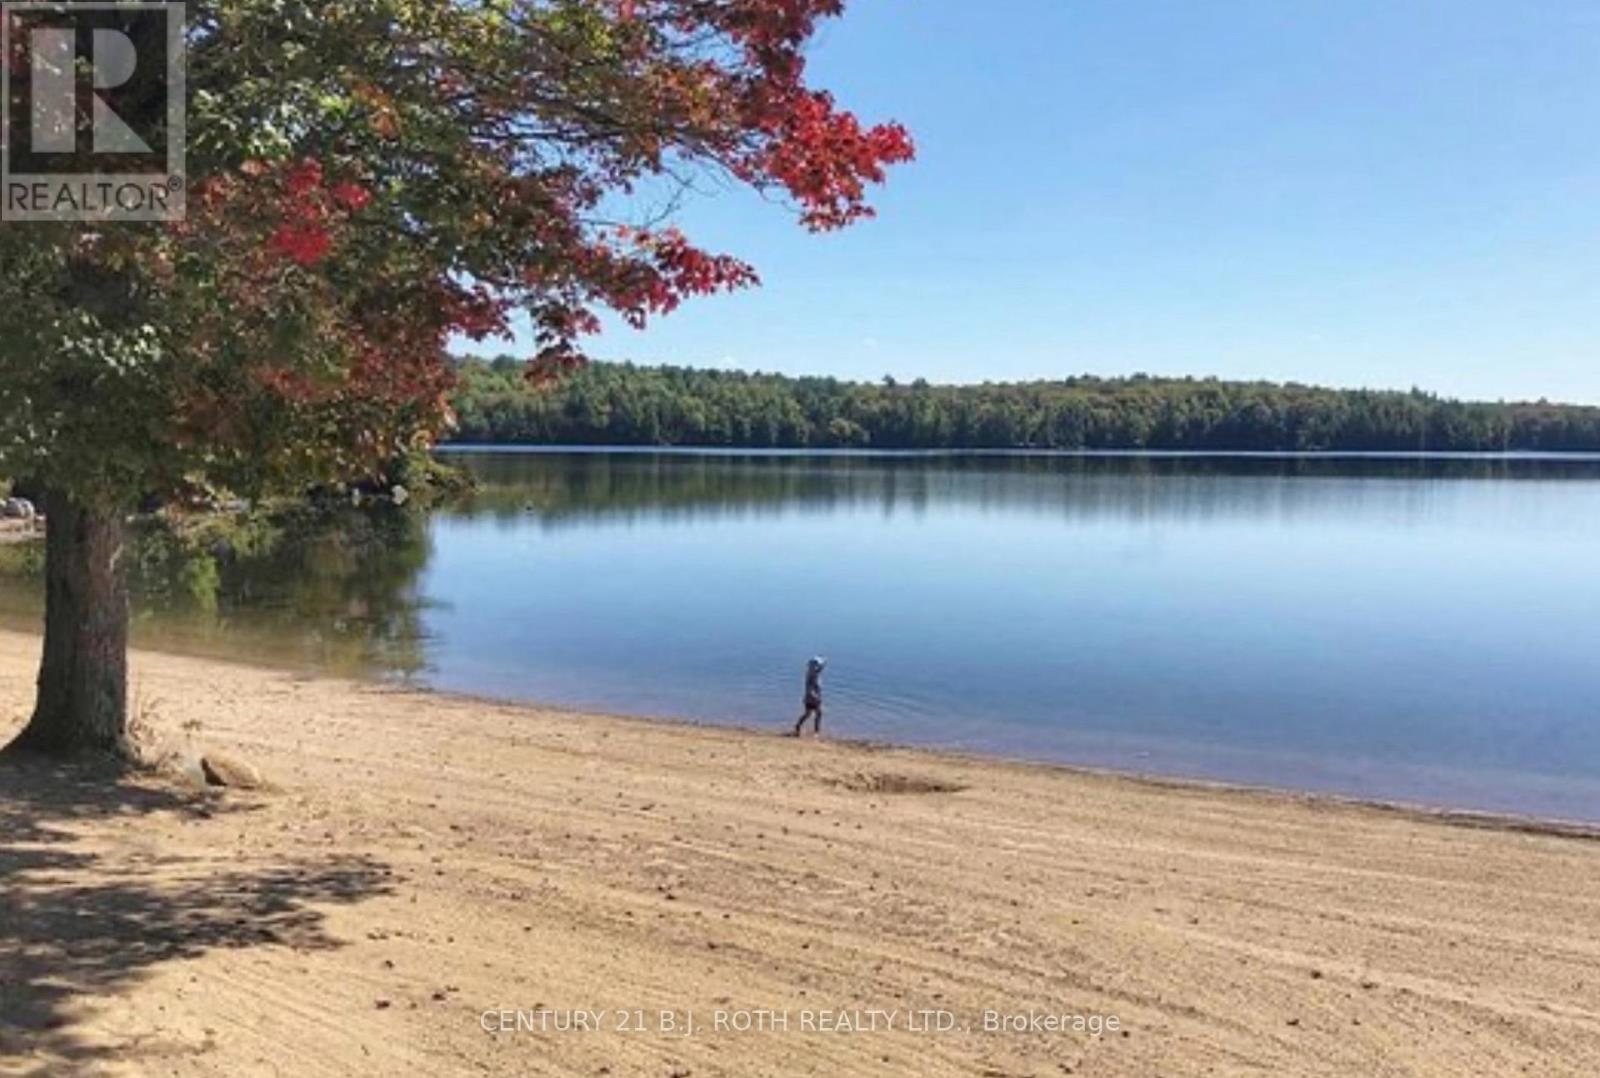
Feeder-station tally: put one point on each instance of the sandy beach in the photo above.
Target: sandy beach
(438, 886)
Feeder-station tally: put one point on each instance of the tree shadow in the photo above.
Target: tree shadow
(74, 924)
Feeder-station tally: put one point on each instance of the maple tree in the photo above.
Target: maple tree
(368, 179)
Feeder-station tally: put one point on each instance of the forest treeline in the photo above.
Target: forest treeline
(627, 404)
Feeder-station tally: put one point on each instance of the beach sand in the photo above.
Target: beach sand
(421, 860)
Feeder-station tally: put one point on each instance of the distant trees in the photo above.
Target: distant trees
(624, 404)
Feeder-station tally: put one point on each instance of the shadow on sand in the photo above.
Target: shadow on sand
(72, 924)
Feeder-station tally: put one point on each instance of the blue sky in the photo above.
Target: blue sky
(1360, 192)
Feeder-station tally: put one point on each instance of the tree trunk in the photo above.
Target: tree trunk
(82, 706)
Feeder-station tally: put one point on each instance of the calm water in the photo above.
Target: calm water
(1412, 629)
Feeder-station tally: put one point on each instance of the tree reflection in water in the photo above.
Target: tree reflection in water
(333, 590)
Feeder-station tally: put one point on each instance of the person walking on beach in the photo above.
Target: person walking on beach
(813, 700)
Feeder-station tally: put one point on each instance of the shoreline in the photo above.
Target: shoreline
(1421, 811)
(1418, 811)
(420, 860)
(1506, 455)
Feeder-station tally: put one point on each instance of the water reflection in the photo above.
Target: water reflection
(337, 591)
(1412, 628)
(562, 488)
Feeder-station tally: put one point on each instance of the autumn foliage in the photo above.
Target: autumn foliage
(367, 180)
(371, 178)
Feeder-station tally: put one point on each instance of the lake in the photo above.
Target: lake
(1406, 628)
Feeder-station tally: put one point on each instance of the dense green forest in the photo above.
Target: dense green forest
(625, 404)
